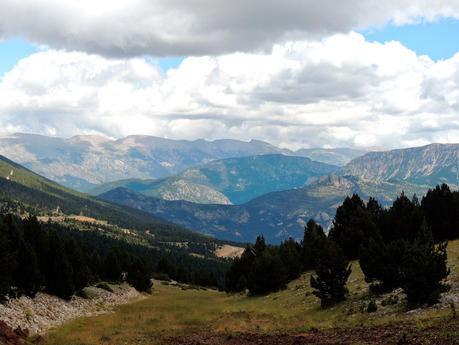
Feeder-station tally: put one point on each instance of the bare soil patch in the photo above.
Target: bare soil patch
(441, 333)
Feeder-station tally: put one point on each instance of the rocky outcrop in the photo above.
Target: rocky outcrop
(38, 314)
(424, 165)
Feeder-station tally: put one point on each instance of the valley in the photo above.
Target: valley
(181, 315)
(189, 247)
(220, 172)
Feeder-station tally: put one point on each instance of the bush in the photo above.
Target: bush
(372, 307)
(391, 300)
(104, 286)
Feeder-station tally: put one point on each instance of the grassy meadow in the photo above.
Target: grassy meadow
(179, 310)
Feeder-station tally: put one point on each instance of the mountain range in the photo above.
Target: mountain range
(233, 198)
(230, 181)
(23, 191)
(282, 214)
(83, 162)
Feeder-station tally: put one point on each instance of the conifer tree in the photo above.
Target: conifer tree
(27, 276)
(314, 241)
(424, 268)
(332, 272)
(381, 263)
(6, 263)
(441, 210)
(59, 277)
(290, 253)
(82, 275)
(352, 224)
(403, 220)
(260, 245)
(139, 275)
(112, 270)
(266, 274)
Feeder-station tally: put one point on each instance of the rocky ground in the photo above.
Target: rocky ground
(38, 314)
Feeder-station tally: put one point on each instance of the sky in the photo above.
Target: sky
(359, 73)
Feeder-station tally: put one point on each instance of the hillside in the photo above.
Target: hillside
(420, 165)
(22, 191)
(277, 215)
(82, 162)
(232, 180)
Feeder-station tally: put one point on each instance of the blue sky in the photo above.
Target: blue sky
(11, 51)
(438, 40)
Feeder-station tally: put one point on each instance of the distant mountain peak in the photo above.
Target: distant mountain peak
(93, 139)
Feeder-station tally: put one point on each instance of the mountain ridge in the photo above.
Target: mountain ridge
(279, 215)
(82, 162)
(231, 180)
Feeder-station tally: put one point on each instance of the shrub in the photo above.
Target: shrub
(104, 286)
(372, 307)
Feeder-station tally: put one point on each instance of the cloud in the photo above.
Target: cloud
(126, 28)
(337, 91)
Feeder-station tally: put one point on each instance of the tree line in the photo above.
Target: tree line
(50, 257)
(402, 246)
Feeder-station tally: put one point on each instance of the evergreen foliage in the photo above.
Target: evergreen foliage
(59, 260)
(332, 272)
(440, 207)
(395, 247)
(352, 225)
(262, 269)
(313, 244)
(424, 268)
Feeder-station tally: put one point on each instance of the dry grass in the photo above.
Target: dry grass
(227, 251)
(83, 219)
(171, 311)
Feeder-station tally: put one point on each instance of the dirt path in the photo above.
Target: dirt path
(442, 333)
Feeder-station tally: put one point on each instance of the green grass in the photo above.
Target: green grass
(171, 310)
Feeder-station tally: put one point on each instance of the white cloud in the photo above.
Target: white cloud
(200, 27)
(338, 91)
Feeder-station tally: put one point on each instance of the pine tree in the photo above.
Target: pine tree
(112, 270)
(381, 263)
(6, 262)
(59, 276)
(332, 272)
(139, 275)
(442, 213)
(260, 246)
(314, 241)
(82, 275)
(236, 276)
(290, 252)
(266, 274)
(402, 221)
(352, 224)
(165, 267)
(424, 268)
(27, 276)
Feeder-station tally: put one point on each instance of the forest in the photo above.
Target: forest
(61, 261)
(401, 246)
